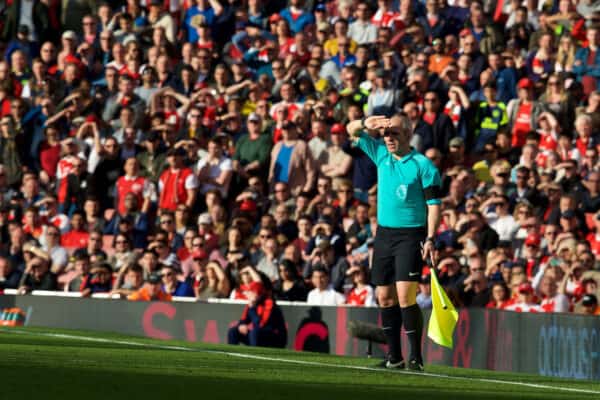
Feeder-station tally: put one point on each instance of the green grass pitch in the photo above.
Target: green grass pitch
(59, 364)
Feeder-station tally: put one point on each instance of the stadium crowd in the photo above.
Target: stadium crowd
(159, 148)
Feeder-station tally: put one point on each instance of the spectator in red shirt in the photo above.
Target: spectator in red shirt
(362, 294)
(177, 184)
(77, 236)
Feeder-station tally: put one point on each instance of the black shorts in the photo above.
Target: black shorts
(397, 255)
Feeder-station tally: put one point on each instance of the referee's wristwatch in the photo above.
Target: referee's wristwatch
(430, 239)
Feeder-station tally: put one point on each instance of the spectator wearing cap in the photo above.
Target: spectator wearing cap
(323, 293)
(252, 150)
(151, 291)
(177, 184)
(172, 285)
(531, 255)
(361, 294)
(523, 112)
(215, 169)
(525, 301)
(206, 232)
(261, 323)
(37, 275)
(98, 280)
(589, 305)
(336, 163)
(291, 161)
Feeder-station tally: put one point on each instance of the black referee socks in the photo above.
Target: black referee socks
(391, 319)
(413, 326)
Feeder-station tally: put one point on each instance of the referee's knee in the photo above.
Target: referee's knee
(386, 298)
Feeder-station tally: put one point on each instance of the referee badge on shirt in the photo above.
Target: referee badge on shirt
(401, 191)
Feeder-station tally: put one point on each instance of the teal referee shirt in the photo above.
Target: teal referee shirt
(405, 186)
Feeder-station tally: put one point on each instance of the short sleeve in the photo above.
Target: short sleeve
(369, 145)
(431, 183)
(191, 182)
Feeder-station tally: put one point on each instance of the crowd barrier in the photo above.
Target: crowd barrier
(558, 345)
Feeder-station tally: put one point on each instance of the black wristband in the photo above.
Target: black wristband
(430, 239)
(362, 123)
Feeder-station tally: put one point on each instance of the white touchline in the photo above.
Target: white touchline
(287, 360)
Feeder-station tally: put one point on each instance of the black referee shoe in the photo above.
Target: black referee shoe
(415, 365)
(390, 363)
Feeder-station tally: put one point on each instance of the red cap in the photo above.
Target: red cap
(248, 205)
(199, 255)
(336, 129)
(274, 18)
(525, 288)
(525, 83)
(533, 239)
(464, 32)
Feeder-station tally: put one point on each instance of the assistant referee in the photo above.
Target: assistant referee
(408, 215)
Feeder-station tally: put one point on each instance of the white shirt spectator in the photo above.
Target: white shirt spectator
(362, 32)
(214, 172)
(506, 227)
(558, 303)
(327, 297)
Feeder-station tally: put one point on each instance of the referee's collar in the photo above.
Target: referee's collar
(407, 156)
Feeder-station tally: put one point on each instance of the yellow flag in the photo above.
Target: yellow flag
(443, 315)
